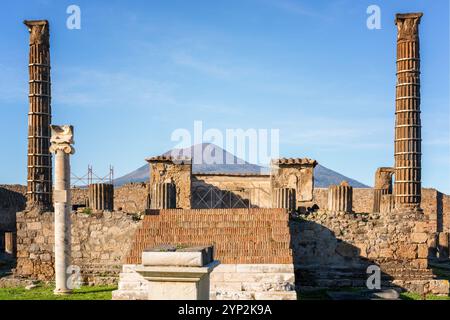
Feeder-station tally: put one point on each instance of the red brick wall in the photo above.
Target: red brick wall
(238, 235)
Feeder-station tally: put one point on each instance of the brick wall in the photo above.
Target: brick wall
(239, 235)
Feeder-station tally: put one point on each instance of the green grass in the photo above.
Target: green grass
(416, 296)
(46, 293)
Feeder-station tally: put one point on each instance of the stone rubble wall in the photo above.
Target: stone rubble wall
(99, 244)
(12, 200)
(335, 249)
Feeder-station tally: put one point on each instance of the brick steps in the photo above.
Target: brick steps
(238, 235)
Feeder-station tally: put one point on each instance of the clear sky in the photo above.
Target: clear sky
(138, 70)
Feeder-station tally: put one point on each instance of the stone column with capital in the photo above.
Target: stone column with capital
(39, 176)
(61, 145)
(407, 186)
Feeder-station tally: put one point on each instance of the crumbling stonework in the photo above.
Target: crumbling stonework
(297, 174)
(248, 190)
(383, 185)
(335, 249)
(99, 244)
(177, 171)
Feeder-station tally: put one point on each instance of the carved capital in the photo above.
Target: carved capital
(39, 31)
(62, 139)
(408, 26)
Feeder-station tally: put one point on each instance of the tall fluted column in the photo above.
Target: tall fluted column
(340, 198)
(61, 145)
(407, 188)
(39, 176)
(101, 196)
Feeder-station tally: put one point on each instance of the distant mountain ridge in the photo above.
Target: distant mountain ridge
(221, 161)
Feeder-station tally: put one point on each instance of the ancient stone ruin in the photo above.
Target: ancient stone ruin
(274, 234)
(408, 140)
(39, 190)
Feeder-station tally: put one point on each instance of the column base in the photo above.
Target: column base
(62, 292)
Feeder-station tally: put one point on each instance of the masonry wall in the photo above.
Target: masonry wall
(248, 190)
(99, 244)
(12, 199)
(129, 198)
(335, 249)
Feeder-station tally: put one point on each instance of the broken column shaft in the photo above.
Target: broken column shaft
(101, 196)
(163, 196)
(340, 198)
(383, 185)
(407, 187)
(39, 177)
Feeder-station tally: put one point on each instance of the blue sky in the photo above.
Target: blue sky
(138, 70)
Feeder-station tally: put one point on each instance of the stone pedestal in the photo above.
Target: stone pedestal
(340, 198)
(62, 140)
(101, 197)
(168, 273)
(284, 198)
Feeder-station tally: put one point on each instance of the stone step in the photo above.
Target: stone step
(248, 295)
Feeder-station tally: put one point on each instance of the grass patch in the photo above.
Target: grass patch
(46, 293)
(416, 296)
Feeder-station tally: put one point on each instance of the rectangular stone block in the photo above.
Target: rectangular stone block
(190, 257)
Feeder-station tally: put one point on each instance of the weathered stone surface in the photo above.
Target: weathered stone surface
(340, 198)
(36, 260)
(176, 171)
(407, 188)
(39, 177)
(101, 196)
(296, 174)
(186, 257)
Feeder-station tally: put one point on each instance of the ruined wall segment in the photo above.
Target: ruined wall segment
(407, 188)
(296, 174)
(101, 196)
(99, 244)
(39, 177)
(383, 185)
(340, 198)
(165, 169)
